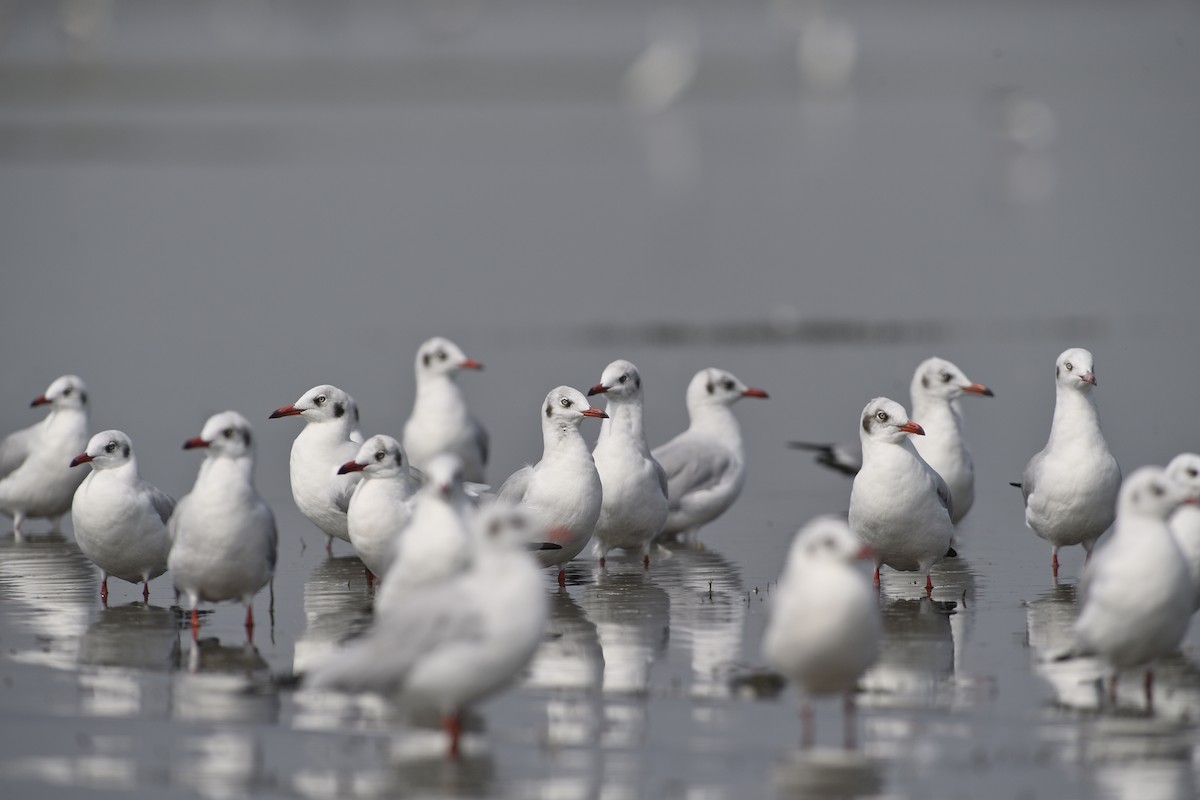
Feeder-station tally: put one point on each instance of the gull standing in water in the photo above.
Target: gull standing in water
(562, 493)
(223, 534)
(706, 464)
(35, 479)
(120, 520)
(899, 506)
(319, 451)
(825, 627)
(382, 502)
(457, 640)
(634, 506)
(1070, 487)
(1184, 469)
(1136, 595)
(440, 421)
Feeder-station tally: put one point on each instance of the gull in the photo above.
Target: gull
(1137, 594)
(562, 493)
(457, 640)
(899, 506)
(706, 464)
(381, 505)
(937, 385)
(120, 520)
(634, 506)
(440, 421)
(223, 534)
(436, 543)
(1184, 469)
(318, 452)
(1070, 487)
(825, 628)
(35, 480)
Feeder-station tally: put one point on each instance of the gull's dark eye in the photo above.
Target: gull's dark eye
(882, 416)
(441, 355)
(623, 379)
(565, 403)
(320, 400)
(67, 392)
(111, 446)
(380, 455)
(945, 377)
(728, 384)
(1069, 366)
(1191, 472)
(1156, 490)
(228, 433)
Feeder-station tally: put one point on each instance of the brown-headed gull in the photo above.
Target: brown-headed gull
(634, 507)
(825, 628)
(436, 543)
(35, 479)
(1136, 595)
(937, 385)
(562, 493)
(223, 534)
(706, 464)
(1070, 487)
(1184, 469)
(457, 640)
(120, 520)
(440, 421)
(899, 506)
(381, 505)
(319, 451)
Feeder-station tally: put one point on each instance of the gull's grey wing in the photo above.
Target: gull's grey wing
(690, 467)
(513, 490)
(482, 440)
(164, 504)
(15, 449)
(943, 492)
(662, 475)
(1029, 477)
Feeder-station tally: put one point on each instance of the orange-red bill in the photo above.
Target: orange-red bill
(594, 412)
(912, 427)
(82, 458)
(286, 411)
(470, 363)
(979, 389)
(753, 392)
(194, 442)
(351, 466)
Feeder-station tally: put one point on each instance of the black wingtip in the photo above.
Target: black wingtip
(544, 546)
(1017, 485)
(951, 553)
(811, 446)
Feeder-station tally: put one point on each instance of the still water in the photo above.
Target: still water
(212, 206)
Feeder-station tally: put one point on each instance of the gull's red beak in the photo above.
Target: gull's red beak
(351, 466)
(40, 400)
(912, 427)
(865, 552)
(599, 388)
(82, 458)
(194, 442)
(752, 392)
(979, 389)
(469, 363)
(594, 412)
(286, 411)
(1088, 377)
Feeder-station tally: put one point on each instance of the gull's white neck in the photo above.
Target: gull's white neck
(936, 414)
(326, 433)
(221, 476)
(439, 394)
(1075, 418)
(716, 420)
(625, 419)
(562, 440)
(127, 471)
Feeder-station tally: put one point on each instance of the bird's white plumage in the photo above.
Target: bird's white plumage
(223, 534)
(706, 464)
(898, 505)
(825, 627)
(1184, 469)
(382, 503)
(319, 450)
(562, 493)
(1136, 595)
(440, 421)
(120, 520)
(36, 479)
(1070, 487)
(634, 506)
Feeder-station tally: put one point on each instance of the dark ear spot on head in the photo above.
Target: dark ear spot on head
(357, 419)
(425, 359)
(1056, 372)
(867, 423)
(548, 411)
(83, 397)
(246, 436)
(925, 381)
(399, 459)
(637, 381)
(126, 451)
(339, 410)
(710, 387)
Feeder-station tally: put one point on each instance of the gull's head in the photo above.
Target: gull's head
(106, 450)
(440, 356)
(68, 391)
(716, 387)
(1150, 492)
(937, 377)
(504, 525)
(1184, 469)
(379, 457)
(225, 435)
(619, 381)
(322, 403)
(1076, 369)
(824, 539)
(444, 475)
(565, 406)
(885, 420)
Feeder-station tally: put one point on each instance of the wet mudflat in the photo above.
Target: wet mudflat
(221, 208)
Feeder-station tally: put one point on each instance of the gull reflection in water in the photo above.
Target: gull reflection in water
(225, 764)
(336, 606)
(916, 663)
(224, 684)
(1139, 758)
(125, 642)
(409, 767)
(49, 590)
(828, 774)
